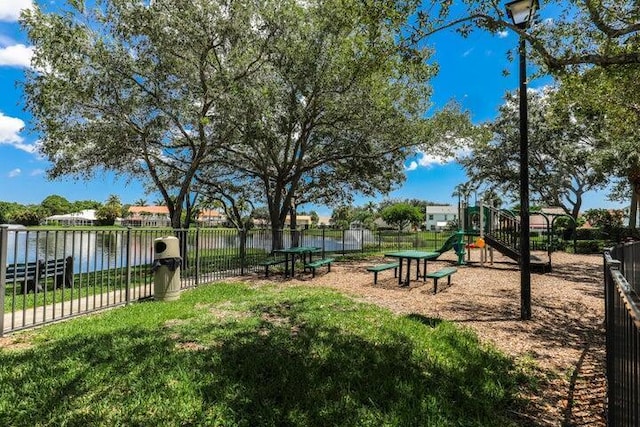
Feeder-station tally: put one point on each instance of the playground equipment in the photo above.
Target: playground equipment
(499, 229)
(487, 229)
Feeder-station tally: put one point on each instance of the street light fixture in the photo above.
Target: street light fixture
(521, 13)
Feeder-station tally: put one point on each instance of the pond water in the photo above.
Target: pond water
(98, 250)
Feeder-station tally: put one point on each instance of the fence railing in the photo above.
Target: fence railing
(80, 271)
(622, 319)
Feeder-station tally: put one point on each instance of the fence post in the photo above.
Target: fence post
(127, 285)
(4, 235)
(324, 231)
(197, 256)
(343, 233)
(243, 250)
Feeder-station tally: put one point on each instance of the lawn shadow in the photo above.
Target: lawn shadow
(283, 363)
(432, 322)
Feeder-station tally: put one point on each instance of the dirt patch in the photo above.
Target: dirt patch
(16, 342)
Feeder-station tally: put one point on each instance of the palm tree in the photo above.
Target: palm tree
(113, 200)
(491, 198)
(140, 202)
(370, 207)
(463, 191)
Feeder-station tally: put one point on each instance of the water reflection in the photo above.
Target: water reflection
(94, 250)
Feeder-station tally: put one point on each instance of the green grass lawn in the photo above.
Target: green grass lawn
(231, 355)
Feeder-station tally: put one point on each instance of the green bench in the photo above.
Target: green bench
(443, 272)
(382, 267)
(318, 263)
(269, 262)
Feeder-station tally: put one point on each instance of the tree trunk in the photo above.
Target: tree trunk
(276, 227)
(188, 212)
(175, 212)
(633, 208)
(295, 237)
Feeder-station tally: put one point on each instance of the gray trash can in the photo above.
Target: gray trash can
(166, 268)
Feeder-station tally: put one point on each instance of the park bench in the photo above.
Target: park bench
(32, 274)
(382, 267)
(318, 263)
(443, 272)
(269, 262)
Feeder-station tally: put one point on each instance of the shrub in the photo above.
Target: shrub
(588, 234)
(589, 246)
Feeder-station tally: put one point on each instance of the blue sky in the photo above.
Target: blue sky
(470, 72)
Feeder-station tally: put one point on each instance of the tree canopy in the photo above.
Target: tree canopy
(595, 32)
(561, 154)
(142, 89)
(56, 205)
(306, 101)
(607, 99)
(402, 215)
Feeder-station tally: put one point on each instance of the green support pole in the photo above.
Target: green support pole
(460, 252)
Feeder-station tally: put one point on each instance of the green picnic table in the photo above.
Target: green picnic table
(409, 256)
(291, 253)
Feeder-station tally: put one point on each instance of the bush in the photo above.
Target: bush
(622, 234)
(588, 234)
(589, 246)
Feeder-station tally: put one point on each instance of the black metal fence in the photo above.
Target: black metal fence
(50, 274)
(622, 318)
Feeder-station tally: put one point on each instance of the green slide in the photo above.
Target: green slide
(448, 244)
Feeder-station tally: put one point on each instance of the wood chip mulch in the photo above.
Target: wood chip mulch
(564, 338)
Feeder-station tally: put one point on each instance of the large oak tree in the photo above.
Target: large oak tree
(561, 154)
(140, 88)
(288, 101)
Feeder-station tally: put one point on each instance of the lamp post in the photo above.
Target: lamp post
(521, 13)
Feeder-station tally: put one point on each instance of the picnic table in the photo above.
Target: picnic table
(291, 253)
(409, 256)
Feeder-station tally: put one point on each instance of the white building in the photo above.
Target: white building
(438, 217)
(85, 217)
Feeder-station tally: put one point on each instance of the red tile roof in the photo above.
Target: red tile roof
(149, 209)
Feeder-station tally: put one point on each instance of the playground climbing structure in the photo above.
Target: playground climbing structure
(503, 234)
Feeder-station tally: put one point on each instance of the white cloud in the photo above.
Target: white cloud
(37, 172)
(428, 160)
(467, 52)
(10, 9)
(502, 34)
(10, 128)
(29, 148)
(17, 55)
(14, 173)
